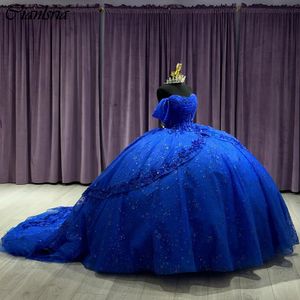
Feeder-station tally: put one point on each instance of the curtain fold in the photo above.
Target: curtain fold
(136, 62)
(49, 97)
(58, 125)
(268, 114)
(203, 39)
(143, 44)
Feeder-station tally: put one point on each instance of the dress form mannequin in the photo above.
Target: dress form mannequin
(166, 90)
(174, 85)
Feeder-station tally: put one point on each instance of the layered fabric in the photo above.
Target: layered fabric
(184, 198)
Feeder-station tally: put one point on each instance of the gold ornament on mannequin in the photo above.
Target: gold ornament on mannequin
(176, 76)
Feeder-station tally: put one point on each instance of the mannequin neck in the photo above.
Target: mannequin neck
(167, 90)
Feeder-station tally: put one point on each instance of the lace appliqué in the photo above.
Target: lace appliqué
(138, 181)
(176, 110)
(231, 139)
(181, 128)
(46, 219)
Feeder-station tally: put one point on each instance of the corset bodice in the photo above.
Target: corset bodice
(176, 110)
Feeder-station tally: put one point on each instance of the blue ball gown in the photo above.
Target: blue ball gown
(184, 198)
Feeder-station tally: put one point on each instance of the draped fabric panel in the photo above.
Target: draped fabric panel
(142, 45)
(203, 39)
(58, 125)
(136, 62)
(49, 98)
(268, 100)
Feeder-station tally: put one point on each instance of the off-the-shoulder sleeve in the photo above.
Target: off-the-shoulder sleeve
(162, 110)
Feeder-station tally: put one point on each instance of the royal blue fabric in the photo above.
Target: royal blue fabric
(184, 198)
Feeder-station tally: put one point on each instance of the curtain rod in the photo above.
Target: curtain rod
(102, 8)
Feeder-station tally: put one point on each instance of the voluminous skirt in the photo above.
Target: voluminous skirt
(175, 200)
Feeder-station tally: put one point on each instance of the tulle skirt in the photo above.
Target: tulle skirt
(173, 201)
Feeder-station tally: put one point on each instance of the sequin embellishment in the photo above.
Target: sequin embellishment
(184, 155)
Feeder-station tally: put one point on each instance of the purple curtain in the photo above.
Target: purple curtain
(49, 97)
(143, 44)
(54, 126)
(269, 90)
(136, 61)
(203, 39)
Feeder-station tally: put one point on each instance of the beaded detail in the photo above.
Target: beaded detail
(181, 127)
(139, 180)
(46, 218)
(176, 110)
(229, 138)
